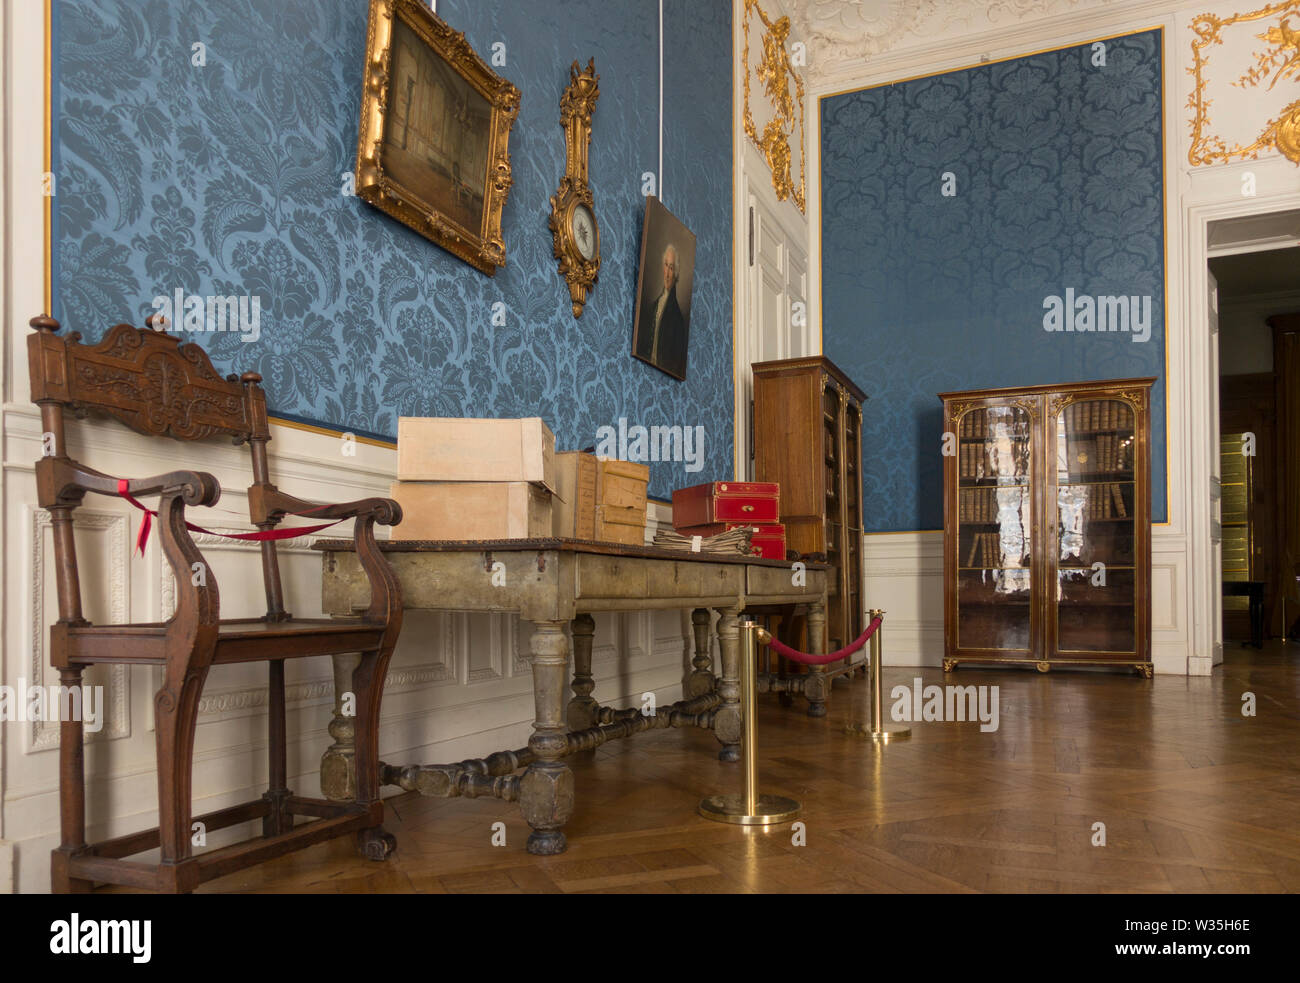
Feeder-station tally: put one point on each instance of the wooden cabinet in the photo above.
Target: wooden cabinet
(808, 439)
(1047, 525)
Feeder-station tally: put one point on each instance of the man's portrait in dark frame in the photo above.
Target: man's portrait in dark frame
(661, 331)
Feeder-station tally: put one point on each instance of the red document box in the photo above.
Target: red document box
(748, 502)
(768, 540)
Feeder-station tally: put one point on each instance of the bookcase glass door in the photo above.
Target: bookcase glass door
(853, 523)
(995, 523)
(832, 453)
(1093, 447)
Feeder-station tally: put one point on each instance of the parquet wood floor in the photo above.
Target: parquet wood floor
(1195, 797)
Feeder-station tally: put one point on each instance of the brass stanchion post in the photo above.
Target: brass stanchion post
(879, 731)
(750, 808)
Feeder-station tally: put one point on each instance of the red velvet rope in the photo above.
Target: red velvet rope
(146, 523)
(821, 660)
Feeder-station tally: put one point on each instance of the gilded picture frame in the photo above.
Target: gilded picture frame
(433, 142)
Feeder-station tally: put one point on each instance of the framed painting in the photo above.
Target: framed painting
(432, 148)
(663, 291)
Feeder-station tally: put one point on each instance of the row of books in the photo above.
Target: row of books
(981, 504)
(976, 424)
(992, 460)
(1105, 501)
(985, 551)
(1093, 414)
(1103, 453)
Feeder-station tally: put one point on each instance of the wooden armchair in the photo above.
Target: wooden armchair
(158, 386)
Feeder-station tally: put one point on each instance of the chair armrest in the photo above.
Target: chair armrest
(266, 503)
(63, 481)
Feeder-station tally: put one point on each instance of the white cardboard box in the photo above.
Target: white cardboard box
(458, 510)
(455, 449)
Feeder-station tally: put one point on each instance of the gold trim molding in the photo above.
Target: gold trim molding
(775, 71)
(1278, 62)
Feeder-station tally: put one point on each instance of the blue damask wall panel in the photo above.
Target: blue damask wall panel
(1058, 172)
(226, 179)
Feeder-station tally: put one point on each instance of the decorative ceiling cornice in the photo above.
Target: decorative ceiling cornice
(843, 36)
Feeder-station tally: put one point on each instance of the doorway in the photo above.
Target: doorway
(1258, 290)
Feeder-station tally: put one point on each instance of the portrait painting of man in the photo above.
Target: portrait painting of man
(661, 329)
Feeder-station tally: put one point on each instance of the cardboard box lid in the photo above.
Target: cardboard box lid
(466, 449)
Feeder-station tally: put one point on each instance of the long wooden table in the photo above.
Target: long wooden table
(551, 582)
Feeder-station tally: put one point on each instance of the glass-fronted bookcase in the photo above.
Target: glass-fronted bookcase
(1047, 525)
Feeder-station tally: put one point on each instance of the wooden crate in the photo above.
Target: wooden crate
(574, 509)
(621, 484)
(620, 525)
(585, 483)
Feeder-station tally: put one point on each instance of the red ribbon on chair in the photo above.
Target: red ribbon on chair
(146, 523)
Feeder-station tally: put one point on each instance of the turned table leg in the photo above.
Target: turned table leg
(817, 688)
(582, 708)
(700, 680)
(727, 722)
(338, 775)
(546, 789)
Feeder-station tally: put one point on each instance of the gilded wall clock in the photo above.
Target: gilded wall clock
(573, 218)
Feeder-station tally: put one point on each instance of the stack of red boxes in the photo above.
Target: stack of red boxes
(719, 506)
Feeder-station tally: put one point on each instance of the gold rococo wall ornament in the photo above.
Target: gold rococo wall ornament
(1278, 63)
(575, 234)
(775, 70)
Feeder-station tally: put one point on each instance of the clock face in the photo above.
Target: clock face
(583, 226)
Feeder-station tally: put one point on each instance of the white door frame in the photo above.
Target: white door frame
(1201, 426)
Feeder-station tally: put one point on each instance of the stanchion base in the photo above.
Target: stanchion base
(888, 734)
(731, 809)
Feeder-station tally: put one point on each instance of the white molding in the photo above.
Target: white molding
(943, 42)
(42, 735)
(1264, 304)
(494, 668)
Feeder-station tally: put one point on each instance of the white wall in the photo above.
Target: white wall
(1245, 339)
(459, 686)
(905, 570)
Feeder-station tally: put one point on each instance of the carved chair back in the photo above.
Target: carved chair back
(158, 386)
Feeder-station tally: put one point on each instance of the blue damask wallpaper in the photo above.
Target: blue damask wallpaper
(1054, 173)
(225, 179)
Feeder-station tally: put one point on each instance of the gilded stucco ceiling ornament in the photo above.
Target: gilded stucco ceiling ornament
(1279, 62)
(784, 89)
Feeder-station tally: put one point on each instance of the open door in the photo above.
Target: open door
(1216, 475)
(774, 322)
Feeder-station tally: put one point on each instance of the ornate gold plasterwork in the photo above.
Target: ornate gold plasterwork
(775, 70)
(1278, 62)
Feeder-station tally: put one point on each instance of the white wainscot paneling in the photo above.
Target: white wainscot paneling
(102, 547)
(1169, 630)
(904, 578)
